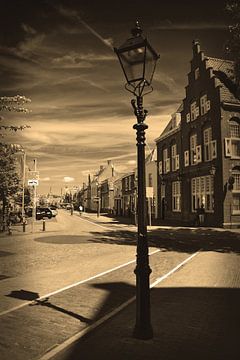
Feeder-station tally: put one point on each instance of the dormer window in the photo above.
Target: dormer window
(197, 73)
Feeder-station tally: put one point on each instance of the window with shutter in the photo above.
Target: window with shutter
(213, 149)
(160, 167)
(228, 147)
(186, 158)
(198, 153)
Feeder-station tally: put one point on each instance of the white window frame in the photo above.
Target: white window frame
(176, 196)
(186, 158)
(234, 139)
(173, 156)
(198, 154)
(202, 192)
(213, 149)
(160, 167)
(194, 109)
(193, 145)
(205, 104)
(165, 157)
(207, 138)
(188, 117)
(236, 193)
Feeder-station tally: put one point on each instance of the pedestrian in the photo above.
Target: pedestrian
(80, 210)
(201, 215)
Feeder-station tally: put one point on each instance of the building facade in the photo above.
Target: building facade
(206, 174)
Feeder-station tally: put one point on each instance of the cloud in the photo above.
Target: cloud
(131, 162)
(68, 179)
(47, 178)
(169, 25)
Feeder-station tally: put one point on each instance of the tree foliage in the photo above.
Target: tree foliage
(233, 44)
(16, 104)
(9, 176)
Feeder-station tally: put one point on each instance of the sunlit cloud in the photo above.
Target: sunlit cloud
(68, 179)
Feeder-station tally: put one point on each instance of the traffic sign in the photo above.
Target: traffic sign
(32, 182)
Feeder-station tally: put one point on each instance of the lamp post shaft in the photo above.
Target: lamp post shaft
(143, 327)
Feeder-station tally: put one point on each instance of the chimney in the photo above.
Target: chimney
(101, 167)
(109, 162)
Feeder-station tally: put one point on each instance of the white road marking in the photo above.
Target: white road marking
(73, 285)
(93, 223)
(83, 332)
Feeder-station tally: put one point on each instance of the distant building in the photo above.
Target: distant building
(199, 157)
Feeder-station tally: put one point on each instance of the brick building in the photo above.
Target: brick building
(208, 146)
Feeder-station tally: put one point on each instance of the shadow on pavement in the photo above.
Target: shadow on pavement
(178, 239)
(188, 323)
(33, 296)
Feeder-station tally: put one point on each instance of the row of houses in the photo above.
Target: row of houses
(196, 161)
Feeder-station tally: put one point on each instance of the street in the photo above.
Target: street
(58, 283)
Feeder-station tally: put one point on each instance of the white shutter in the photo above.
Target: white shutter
(198, 153)
(186, 158)
(213, 149)
(160, 167)
(196, 112)
(177, 162)
(228, 147)
(208, 106)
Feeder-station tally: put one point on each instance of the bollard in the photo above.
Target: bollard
(24, 225)
(44, 225)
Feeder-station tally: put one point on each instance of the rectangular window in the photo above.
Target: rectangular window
(176, 196)
(165, 156)
(236, 204)
(194, 110)
(173, 155)
(207, 138)
(204, 104)
(160, 167)
(193, 145)
(198, 153)
(213, 149)
(186, 158)
(188, 117)
(235, 148)
(202, 193)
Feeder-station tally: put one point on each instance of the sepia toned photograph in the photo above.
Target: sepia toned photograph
(119, 180)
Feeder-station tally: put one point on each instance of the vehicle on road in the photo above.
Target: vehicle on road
(53, 209)
(41, 213)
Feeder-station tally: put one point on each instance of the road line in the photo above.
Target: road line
(73, 285)
(174, 269)
(50, 354)
(91, 222)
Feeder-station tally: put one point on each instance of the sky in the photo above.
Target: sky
(60, 55)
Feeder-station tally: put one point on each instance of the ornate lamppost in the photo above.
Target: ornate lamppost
(138, 61)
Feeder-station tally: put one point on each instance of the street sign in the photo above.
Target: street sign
(32, 182)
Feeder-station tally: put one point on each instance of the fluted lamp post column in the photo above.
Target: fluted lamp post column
(138, 61)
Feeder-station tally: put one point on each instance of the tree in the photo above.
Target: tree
(9, 177)
(233, 44)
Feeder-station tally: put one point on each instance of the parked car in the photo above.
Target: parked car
(53, 209)
(41, 213)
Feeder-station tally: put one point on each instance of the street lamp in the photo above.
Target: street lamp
(138, 61)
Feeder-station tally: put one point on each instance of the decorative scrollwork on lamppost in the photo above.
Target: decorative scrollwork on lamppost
(138, 61)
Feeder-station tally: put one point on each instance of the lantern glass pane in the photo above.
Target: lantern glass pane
(150, 63)
(133, 63)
